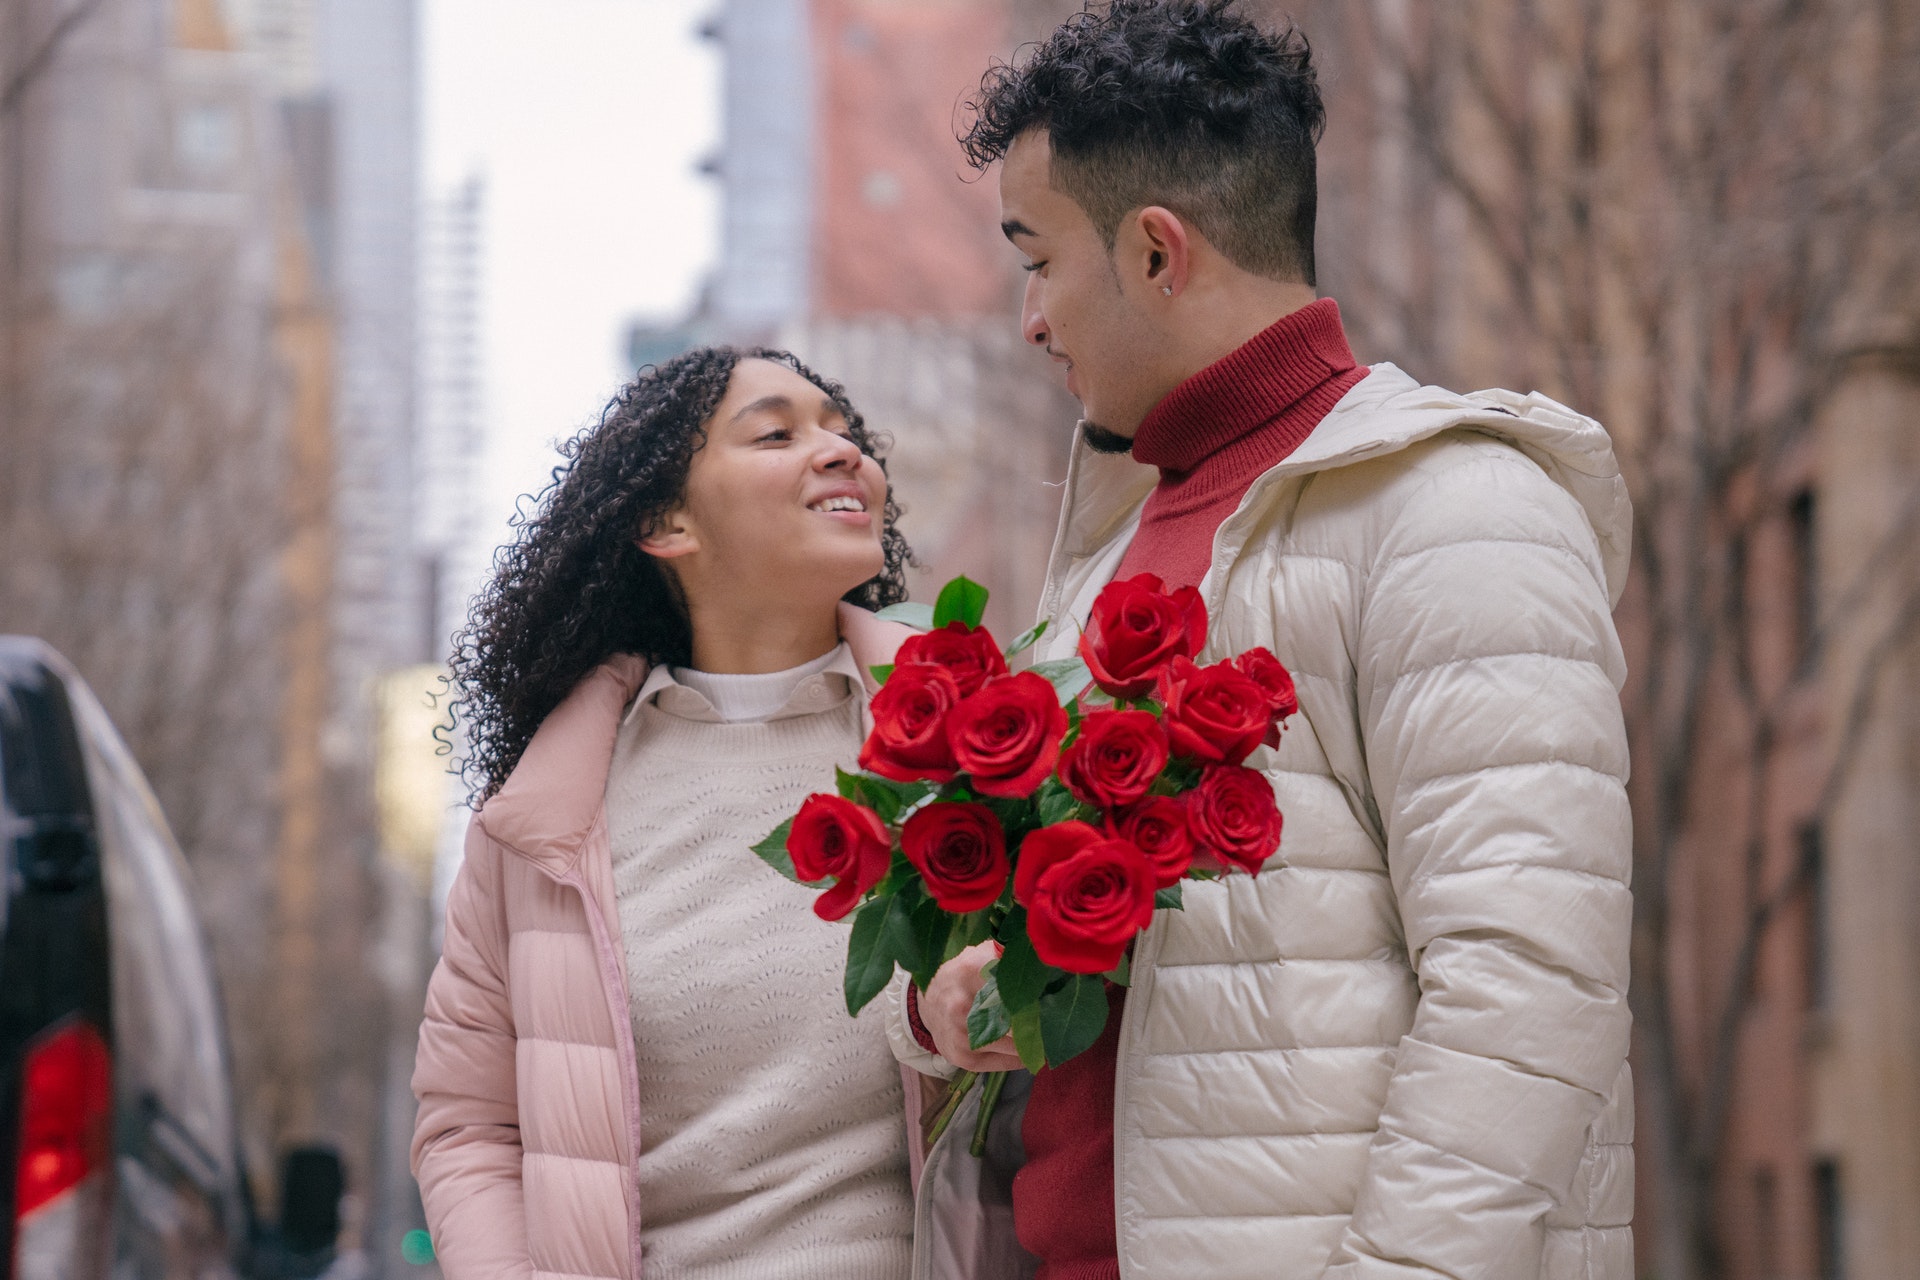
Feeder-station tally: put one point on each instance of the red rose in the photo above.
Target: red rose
(1086, 908)
(1213, 714)
(1158, 826)
(1235, 817)
(1044, 847)
(968, 654)
(1007, 736)
(960, 851)
(1136, 628)
(1115, 758)
(1265, 670)
(838, 838)
(909, 738)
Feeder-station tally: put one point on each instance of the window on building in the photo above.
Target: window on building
(1813, 855)
(1806, 595)
(1766, 1235)
(1830, 1259)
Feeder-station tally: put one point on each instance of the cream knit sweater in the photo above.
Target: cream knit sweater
(772, 1146)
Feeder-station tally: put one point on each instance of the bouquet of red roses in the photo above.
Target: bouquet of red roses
(1052, 810)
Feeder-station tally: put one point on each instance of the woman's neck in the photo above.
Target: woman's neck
(743, 642)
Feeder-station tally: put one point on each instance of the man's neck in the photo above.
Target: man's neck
(1215, 318)
(1218, 320)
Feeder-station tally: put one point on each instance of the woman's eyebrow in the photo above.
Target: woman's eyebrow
(782, 404)
(765, 404)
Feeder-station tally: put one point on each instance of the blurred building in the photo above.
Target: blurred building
(855, 234)
(451, 400)
(207, 407)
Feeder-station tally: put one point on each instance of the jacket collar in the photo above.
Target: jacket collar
(556, 793)
(1387, 411)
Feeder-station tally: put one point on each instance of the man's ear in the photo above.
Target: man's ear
(1162, 256)
(670, 537)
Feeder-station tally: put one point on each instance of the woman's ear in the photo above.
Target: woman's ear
(670, 537)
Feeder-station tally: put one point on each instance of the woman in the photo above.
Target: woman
(635, 1045)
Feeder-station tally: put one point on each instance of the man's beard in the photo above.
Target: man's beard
(1101, 440)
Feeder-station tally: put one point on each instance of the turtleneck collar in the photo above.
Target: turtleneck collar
(1246, 389)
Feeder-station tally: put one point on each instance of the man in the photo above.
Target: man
(1399, 1051)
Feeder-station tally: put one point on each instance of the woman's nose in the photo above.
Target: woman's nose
(838, 451)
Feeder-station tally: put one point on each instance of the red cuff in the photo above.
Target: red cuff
(921, 1036)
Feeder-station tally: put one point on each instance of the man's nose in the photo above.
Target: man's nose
(1033, 323)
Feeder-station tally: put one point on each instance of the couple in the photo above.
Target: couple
(1399, 1051)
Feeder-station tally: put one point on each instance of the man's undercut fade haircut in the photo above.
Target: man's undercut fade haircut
(1184, 104)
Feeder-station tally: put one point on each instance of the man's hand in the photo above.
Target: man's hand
(944, 1006)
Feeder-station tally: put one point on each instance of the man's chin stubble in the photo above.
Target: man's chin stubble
(1101, 440)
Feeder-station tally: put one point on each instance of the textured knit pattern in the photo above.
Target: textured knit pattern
(772, 1143)
(530, 1112)
(1217, 432)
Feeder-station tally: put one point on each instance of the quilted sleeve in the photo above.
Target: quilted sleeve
(906, 1045)
(466, 1140)
(1489, 672)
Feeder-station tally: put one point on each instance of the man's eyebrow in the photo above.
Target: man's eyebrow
(1014, 227)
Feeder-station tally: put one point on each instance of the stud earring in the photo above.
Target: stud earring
(1167, 289)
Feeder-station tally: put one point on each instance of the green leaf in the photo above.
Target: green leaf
(869, 964)
(917, 616)
(882, 795)
(959, 936)
(962, 600)
(1016, 814)
(979, 925)
(1073, 1017)
(1067, 675)
(1121, 975)
(1027, 1040)
(917, 936)
(881, 670)
(987, 1020)
(773, 852)
(1057, 803)
(1022, 975)
(1027, 639)
(1169, 899)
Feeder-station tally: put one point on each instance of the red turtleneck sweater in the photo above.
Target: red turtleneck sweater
(1211, 437)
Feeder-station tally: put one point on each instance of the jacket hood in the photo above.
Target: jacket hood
(555, 794)
(1387, 411)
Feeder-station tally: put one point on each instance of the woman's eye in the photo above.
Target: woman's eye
(1033, 266)
(777, 433)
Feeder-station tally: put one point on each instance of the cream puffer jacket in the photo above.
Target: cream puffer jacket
(530, 1107)
(1399, 1051)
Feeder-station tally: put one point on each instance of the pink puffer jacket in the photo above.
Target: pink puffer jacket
(530, 1114)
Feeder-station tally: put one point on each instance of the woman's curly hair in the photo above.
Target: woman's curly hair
(572, 589)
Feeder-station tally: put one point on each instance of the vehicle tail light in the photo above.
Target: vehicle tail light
(66, 1145)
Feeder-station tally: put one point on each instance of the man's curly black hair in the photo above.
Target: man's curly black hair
(1180, 103)
(573, 589)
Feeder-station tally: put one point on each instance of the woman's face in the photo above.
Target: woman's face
(781, 506)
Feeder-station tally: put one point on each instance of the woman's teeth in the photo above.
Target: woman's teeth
(839, 504)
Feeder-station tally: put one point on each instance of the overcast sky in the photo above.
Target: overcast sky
(586, 119)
